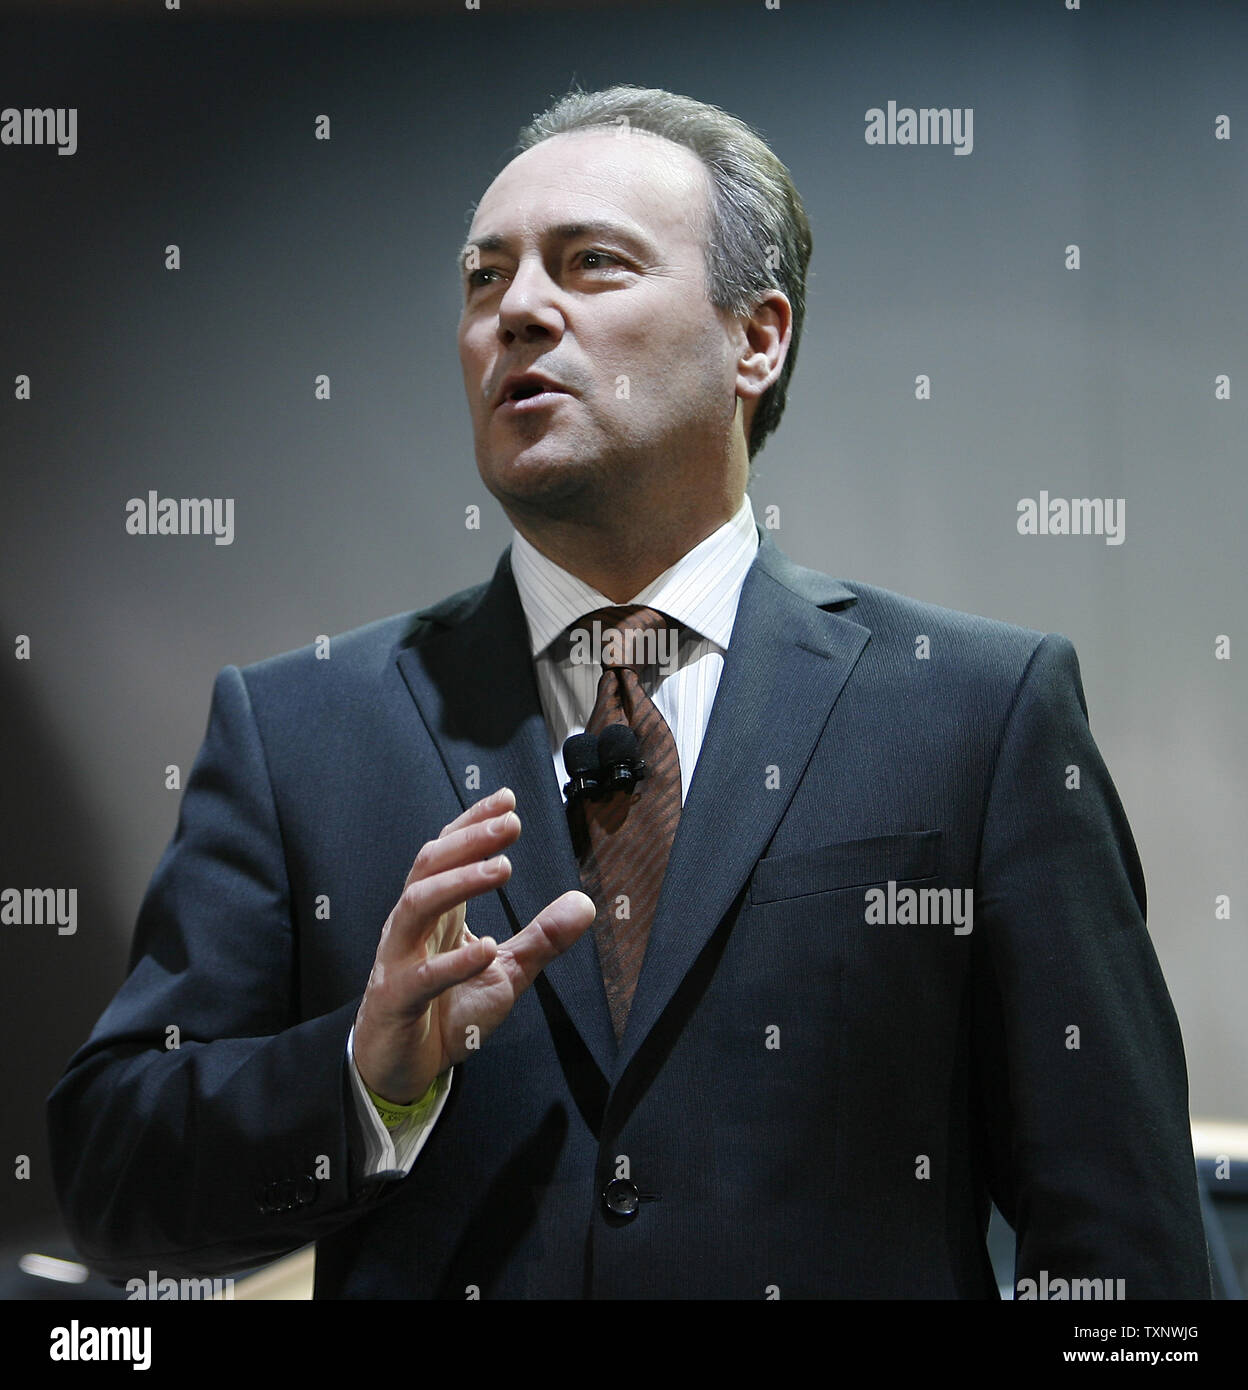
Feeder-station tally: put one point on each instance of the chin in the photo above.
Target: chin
(553, 485)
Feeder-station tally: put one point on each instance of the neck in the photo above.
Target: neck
(619, 560)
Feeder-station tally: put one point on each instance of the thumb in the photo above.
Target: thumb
(556, 927)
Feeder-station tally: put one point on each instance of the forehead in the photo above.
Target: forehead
(595, 176)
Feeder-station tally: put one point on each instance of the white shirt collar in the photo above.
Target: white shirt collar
(700, 590)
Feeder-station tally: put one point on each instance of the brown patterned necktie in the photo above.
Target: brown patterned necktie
(623, 842)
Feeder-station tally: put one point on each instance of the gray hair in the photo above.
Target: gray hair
(758, 237)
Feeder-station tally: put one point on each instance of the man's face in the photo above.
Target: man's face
(592, 273)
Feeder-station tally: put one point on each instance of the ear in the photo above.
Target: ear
(765, 336)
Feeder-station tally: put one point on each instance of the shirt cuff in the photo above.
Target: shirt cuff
(390, 1153)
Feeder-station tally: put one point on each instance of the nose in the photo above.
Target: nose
(528, 309)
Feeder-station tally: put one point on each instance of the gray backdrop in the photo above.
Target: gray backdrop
(299, 256)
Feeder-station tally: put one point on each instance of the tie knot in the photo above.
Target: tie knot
(627, 636)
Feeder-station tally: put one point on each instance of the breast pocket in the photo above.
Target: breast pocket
(849, 864)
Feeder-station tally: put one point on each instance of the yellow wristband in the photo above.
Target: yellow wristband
(394, 1115)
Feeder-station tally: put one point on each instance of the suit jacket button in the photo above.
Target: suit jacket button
(621, 1197)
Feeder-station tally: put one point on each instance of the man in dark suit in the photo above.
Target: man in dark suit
(864, 947)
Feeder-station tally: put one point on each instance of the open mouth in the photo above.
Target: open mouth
(531, 394)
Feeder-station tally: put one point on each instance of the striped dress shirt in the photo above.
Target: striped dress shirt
(700, 591)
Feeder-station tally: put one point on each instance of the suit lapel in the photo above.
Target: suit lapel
(784, 669)
(470, 672)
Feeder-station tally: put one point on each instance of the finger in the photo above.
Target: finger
(422, 982)
(504, 799)
(455, 848)
(424, 902)
(558, 926)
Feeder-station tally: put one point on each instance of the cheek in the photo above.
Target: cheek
(681, 369)
(473, 341)
(656, 356)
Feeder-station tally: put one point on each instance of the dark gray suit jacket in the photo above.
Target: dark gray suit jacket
(805, 1101)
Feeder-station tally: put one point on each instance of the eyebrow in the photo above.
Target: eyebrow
(564, 231)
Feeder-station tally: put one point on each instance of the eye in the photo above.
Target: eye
(474, 279)
(603, 256)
